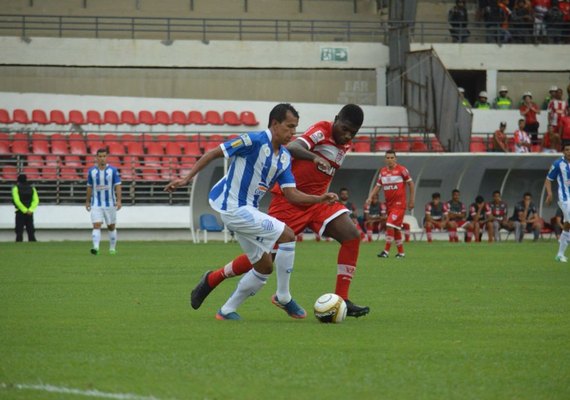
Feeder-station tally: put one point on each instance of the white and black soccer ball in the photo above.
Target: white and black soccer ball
(330, 308)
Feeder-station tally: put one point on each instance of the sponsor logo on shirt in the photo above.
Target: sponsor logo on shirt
(317, 136)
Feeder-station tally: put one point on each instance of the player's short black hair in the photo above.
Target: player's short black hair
(351, 113)
(391, 152)
(342, 189)
(279, 113)
(436, 195)
(479, 199)
(527, 194)
(496, 191)
(22, 178)
(102, 150)
(455, 191)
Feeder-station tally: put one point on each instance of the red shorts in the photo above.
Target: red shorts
(315, 216)
(395, 217)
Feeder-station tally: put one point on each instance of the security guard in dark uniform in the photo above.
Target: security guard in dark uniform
(26, 200)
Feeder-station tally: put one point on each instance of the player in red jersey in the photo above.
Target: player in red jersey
(317, 154)
(393, 179)
(437, 217)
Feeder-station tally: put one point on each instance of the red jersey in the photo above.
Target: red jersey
(393, 182)
(310, 178)
(530, 116)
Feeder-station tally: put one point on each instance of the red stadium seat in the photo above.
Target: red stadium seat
(127, 137)
(72, 161)
(40, 146)
(59, 144)
(131, 162)
(4, 147)
(77, 147)
(9, 173)
(173, 149)
(76, 117)
(20, 143)
(477, 147)
(436, 145)
(20, 116)
(164, 139)
(382, 143)
(248, 118)
(115, 148)
(419, 147)
(128, 173)
(231, 118)
(213, 118)
(49, 173)
(191, 148)
(150, 174)
(178, 117)
(111, 137)
(162, 118)
(195, 117)
(57, 117)
(111, 117)
(128, 117)
(154, 152)
(35, 161)
(94, 117)
(401, 145)
(76, 137)
(536, 148)
(114, 160)
(32, 173)
(213, 141)
(69, 174)
(5, 117)
(134, 148)
(361, 147)
(145, 117)
(4, 136)
(40, 117)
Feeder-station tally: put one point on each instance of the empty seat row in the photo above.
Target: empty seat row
(127, 117)
(365, 144)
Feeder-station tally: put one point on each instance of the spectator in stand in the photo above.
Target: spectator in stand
(500, 139)
(554, 19)
(529, 110)
(456, 215)
(343, 199)
(375, 216)
(481, 103)
(500, 215)
(522, 140)
(551, 142)
(458, 20)
(479, 218)
(564, 129)
(521, 22)
(551, 95)
(503, 101)
(462, 98)
(436, 217)
(526, 218)
(505, 34)
(557, 223)
(540, 8)
(493, 17)
(556, 109)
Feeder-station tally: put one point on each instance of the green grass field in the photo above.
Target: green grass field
(450, 321)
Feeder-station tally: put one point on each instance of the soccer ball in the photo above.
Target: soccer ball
(330, 308)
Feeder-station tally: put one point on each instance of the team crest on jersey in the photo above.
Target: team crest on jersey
(246, 140)
(284, 158)
(317, 136)
(394, 217)
(266, 151)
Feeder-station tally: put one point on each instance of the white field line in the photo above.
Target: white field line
(79, 392)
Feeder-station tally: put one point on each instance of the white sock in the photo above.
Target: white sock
(113, 239)
(284, 260)
(96, 238)
(247, 286)
(564, 239)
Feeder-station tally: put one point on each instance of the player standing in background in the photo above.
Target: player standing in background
(258, 161)
(436, 217)
(456, 215)
(500, 216)
(393, 179)
(317, 154)
(103, 200)
(560, 172)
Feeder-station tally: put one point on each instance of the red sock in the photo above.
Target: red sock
(399, 243)
(469, 235)
(238, 266)
(389, 239)
(347, 256)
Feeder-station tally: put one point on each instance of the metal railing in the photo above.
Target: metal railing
(205, 29)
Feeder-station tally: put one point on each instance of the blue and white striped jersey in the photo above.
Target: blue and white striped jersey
(254, 169)
(103, 184)
(560, 172)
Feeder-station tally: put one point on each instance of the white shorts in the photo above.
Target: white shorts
(104, 214)
(565, 207)
(255, 231)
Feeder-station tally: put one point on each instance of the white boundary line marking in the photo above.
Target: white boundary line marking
(62, 389)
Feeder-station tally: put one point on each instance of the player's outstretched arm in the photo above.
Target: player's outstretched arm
(548, 187)
(299, 150)
(373, 193)
(295, 196)
(200, 165)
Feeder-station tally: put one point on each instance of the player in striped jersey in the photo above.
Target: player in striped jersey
(103, 200)
(560, 172)
(258, 161)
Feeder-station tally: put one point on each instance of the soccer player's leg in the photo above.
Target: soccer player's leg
(97, 221)
(428, 226)
(334, 221)
(565, 235)
(490, 231)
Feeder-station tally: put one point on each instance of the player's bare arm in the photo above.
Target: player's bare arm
(373, 193)
(119, 196)
(295, 196)
(412, 189)
(548, 187)
(200, 165)
(88, 198)
(299, 150)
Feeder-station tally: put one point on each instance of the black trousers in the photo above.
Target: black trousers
(27, 221)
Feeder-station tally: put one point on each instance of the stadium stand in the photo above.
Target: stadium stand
(162, 118)
(5, 117)
(231, 118)
(40, 117)
(179, 118)
(196, 117)
(94, 117)
(111, 117)
(247, 118)
(128, 117)
(146, 117)
(20, 116)
(57, 117)
(213, 118)
(76, 117)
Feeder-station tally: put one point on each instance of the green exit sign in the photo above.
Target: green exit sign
(338, 54)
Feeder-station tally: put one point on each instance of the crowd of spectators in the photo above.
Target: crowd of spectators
(513, 21)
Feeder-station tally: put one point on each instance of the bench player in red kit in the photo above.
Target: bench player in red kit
(393, 179)
(317, 154)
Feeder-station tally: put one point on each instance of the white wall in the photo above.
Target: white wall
(487, 121)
